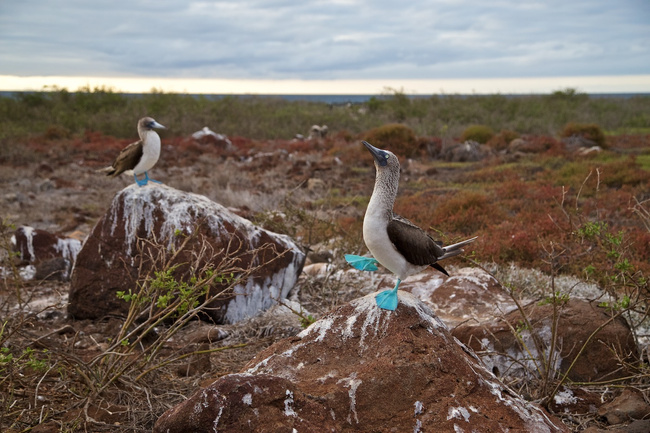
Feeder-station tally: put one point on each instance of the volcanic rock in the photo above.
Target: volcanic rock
(468, 293)
(53, 269)
(54, 254)
(147, 226)
(575, 143)
(36, 245)
(630, 405)
(523, 146)
(362, 369)
(576, 321)
(576, 400)
(207, 136)
(637, 426)
(248, 403)
(468, 151)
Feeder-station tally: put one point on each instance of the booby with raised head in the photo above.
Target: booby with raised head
(141, 156)
(395, 242)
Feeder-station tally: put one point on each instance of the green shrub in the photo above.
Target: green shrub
(56, 132)
(479, 133)
(397, 138)
(590, 131)
(502, 139)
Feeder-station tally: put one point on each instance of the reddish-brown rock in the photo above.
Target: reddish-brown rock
(38, 245)
(521, 145)
(115, 256)
(577, 320)
(43, 249)
(628, 406)
(468, 293)
(363, 369)
(576, 400)
(207, 136)
(468, 151)
(248, 403)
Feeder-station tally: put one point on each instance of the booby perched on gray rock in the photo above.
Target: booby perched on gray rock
(395, 242)
(140, 156)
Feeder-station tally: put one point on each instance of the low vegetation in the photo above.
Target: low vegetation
(399, 138)
(503, 139)
(479, 133)
(60, 113)
(590, 131)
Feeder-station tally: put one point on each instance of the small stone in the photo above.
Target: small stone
(630, 405)
(53, 269)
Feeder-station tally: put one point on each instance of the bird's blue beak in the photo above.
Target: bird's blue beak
(380, 156)
(155, 124)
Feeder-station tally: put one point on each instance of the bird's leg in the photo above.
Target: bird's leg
(362, 263)
(147, 177)
(142, 182)
(387, 299)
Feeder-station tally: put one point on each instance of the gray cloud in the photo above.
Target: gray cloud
(343, 39)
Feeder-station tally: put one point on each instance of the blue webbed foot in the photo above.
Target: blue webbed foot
(387, 300)
(361, 263)
(146, 176)
(142, 182)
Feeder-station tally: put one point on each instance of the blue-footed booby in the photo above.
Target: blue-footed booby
(395, 242)
(141, 156)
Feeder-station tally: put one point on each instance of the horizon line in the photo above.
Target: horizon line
(223, 86)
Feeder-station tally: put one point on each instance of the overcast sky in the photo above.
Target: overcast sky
(325, 40)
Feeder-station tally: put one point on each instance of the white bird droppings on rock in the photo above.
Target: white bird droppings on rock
(69, 248)
(215, 424)
(288, 405)
(353, 383)
(565, 396)
(458, 413)
(320, 326)
(29, 235)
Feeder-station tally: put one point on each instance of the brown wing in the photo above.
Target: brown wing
(128, 158)
(412, 242)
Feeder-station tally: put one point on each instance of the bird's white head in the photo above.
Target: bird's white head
(148, 123)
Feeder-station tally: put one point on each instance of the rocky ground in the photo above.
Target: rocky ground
(312, 190)
(57, 189)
